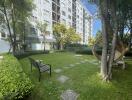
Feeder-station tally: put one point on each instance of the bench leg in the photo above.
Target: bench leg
(31, 67)
(50, 70)
(123, 66)
(39, 76)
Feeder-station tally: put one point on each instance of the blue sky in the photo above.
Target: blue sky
(93, 9)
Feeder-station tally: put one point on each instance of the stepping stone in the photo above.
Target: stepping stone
(66, 67)
(95, 63)
(57, 70)
(69, 95)
(82, 61)
(62, 79)
(71, 65)
(78, 55)
(77, 63)
(86, 60)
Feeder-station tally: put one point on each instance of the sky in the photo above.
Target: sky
(92, 9)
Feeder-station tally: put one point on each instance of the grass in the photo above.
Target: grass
(84, 79)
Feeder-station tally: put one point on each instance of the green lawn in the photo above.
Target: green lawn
(83, 79)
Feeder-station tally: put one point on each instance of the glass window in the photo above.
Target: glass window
(33, 30)
(63, 13)
(69, 16)
(69, 9)
(3, 34)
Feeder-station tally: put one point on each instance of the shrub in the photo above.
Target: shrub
(88, 51)
(28, 53)
(129, 53)
(14, 84)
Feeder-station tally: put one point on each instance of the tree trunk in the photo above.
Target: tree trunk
(114, 40)
(8, 24)
(104, 51)
(61, 46)
(44, 42)
(112, 55)
(94, 53)
(14, 28)
(104, 18)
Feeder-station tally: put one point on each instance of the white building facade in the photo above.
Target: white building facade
(66, 12)
(69, 12)
(41, 14)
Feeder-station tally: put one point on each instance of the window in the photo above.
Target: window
(63, 13)
(69, 16)
(69, 9)
(54, 7)
(69, 23)
(46, 12)
(64, 21)
(3, 34)
(77, 16)
(33, 30)
(58, 18)
(53, 16)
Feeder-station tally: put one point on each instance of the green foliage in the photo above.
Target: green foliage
(59, 32)
(42, 27)
(14, 84)
(72, 36)
(64, 35)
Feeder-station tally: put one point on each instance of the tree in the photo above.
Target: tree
(59, 31)
(65, 35)
(96, 41)
(110, 17)
(14, 11)
(43, 28)
(72, 36)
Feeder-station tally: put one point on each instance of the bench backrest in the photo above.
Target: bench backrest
(34, 63)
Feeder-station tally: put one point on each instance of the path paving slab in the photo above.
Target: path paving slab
(82, 61)
(66, 67)
(62, 78)
(69, 95)
(78, 55)
(71, 65)
(58, 70)
(77, 63)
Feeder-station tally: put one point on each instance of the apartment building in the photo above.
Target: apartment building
(87, 26)
(79, 19)
(72, 13)
(66, 12)
(41, 14)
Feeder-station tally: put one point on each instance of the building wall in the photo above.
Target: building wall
(66, 12)
(69, 12)
(79, 19)
(42, 13)
(88, 26)
(55, 11)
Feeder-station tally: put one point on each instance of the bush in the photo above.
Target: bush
(28, 53)
(129, 53)
(76, 47)
(88, 51)
(14, 84)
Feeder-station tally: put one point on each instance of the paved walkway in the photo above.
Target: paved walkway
(70, 94)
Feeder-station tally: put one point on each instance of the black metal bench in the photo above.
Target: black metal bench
(40, 66)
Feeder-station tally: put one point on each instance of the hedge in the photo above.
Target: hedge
(29, 53)
(14, 84)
